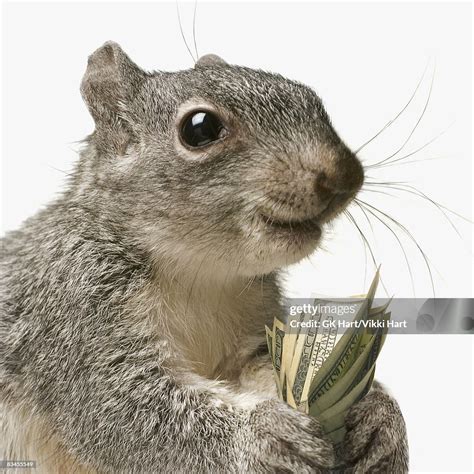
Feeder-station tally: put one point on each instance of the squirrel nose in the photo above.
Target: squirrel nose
(340, 174)
(322, 187)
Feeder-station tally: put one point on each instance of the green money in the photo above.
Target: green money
(303, 363)
(334, 417)
(278, 338)
(379, 339)
(344, 384)
(284, 389)
(269, 336)
(374, 315)
(343, 355)
(335, 428)
(289, 348)
(337, 363)
(325, 342)
(366, 358)
(337, 436)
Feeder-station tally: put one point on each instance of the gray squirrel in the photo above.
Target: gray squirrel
(133, 306)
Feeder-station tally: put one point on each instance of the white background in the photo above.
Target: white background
(365, 61)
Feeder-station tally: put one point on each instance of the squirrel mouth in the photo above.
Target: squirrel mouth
(308, 229)
(292, 228)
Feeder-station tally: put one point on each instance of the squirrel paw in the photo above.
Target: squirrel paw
(376, 440)
(281, 439)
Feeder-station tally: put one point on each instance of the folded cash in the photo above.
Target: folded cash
(321, 366)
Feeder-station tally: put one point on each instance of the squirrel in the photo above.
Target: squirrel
(133, 306)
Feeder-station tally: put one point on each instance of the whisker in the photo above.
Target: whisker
(365, 250)
(61, 171)
(409, 234)
(377, 191)
(347, 213)
(397, 163)
(247, 285)
(390, 122)
(182, 33)
(438, 204)
(414, 128)
(417, 192)
(391, 162)
(374, 180)
(366, 217)
(397, 239)
(194, 30)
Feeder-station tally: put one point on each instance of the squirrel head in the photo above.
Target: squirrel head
(227, 167)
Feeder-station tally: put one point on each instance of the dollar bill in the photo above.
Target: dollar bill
(279, 332)
(291, 341)
(344, 354)
(301, 361)
(367, 355)
(323, 372)
(269, 336)
(378, 341)
(346, 383)
(335, 427)
(312, 348)
(334, 417)
(325, 341)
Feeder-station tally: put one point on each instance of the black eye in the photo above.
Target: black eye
(201, 128)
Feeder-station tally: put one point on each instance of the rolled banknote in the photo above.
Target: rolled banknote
(322, 370)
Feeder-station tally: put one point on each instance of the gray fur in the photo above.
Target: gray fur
(133, 307)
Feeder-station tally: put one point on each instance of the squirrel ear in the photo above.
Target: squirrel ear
(108, 83)
(210, 60)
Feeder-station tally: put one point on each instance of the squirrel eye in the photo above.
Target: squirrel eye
(201, 128)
